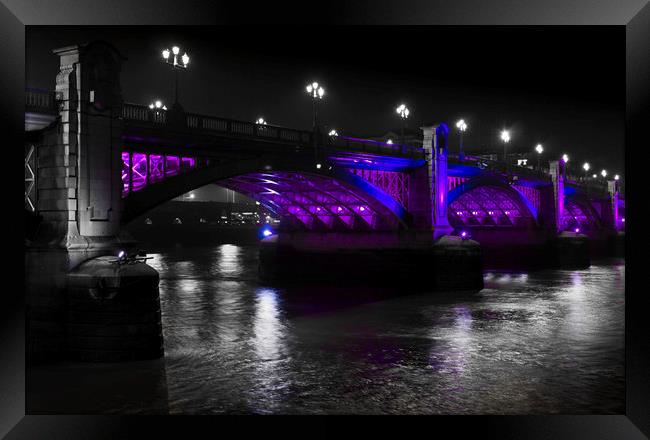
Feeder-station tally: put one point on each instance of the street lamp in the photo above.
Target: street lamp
(505, 137)
(157, 105)
(333, 133)
(616, 177)
(389, 142)
(260, 121)
(586, 168)
(565, 159)
(462, 126)
(403, 113)
(316, 92)
(176, 65)
(539, 150)
(603, 173)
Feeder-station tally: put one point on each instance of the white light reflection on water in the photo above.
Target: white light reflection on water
(270, 373)
(229, 261)
(538, 342)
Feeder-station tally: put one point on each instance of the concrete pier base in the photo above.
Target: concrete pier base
(618, 244)
(572, 251)
(410, 260)
(113, 311)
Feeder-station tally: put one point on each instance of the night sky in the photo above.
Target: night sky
(561, 86)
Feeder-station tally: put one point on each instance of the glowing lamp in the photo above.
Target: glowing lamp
(176, 49)
(464, 235)
(586, 166)
(576, 230)
(165, 53)
(389, 142)
(267, 233)
(616, 177)
(539, 148)
(565, 158)
(402, 111)
(318, 166)
(121, 254)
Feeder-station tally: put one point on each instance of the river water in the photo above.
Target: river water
(529, 343)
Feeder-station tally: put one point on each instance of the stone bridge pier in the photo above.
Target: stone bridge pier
(82, 302)
(78, 161)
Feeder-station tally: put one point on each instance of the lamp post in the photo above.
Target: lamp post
(403, 113)
(157, 105)
(505, 137)
(565, 159)
(462, 126)
(176, 65)
(539, 150)
(316, 92)
(157, 108)
(586, 167)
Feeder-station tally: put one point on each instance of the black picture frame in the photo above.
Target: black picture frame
(634, 15)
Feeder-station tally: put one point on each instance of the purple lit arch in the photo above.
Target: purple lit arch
(304, 196)
(481, 202)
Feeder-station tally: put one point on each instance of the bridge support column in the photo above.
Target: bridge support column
(436, 150)
(613, 190)
(79, 166)
(557, 177)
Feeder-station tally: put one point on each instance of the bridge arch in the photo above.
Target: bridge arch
(489, 201)
(306, 197)
(579, 213)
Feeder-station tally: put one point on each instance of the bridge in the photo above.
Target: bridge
(94, 162)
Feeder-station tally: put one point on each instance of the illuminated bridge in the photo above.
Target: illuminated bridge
(94, 162)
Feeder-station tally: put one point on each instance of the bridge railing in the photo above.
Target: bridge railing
(230, 127)
(251, 129)
(587, 185)
(371, 146)
(143, 113)
(44, 101)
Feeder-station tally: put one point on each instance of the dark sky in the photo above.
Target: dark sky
(561, 86)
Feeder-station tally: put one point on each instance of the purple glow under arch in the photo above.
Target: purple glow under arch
(313, 201)
(489, 205)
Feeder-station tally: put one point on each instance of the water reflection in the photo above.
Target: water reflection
(538, 342)
(269, 343)
(229, 262)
